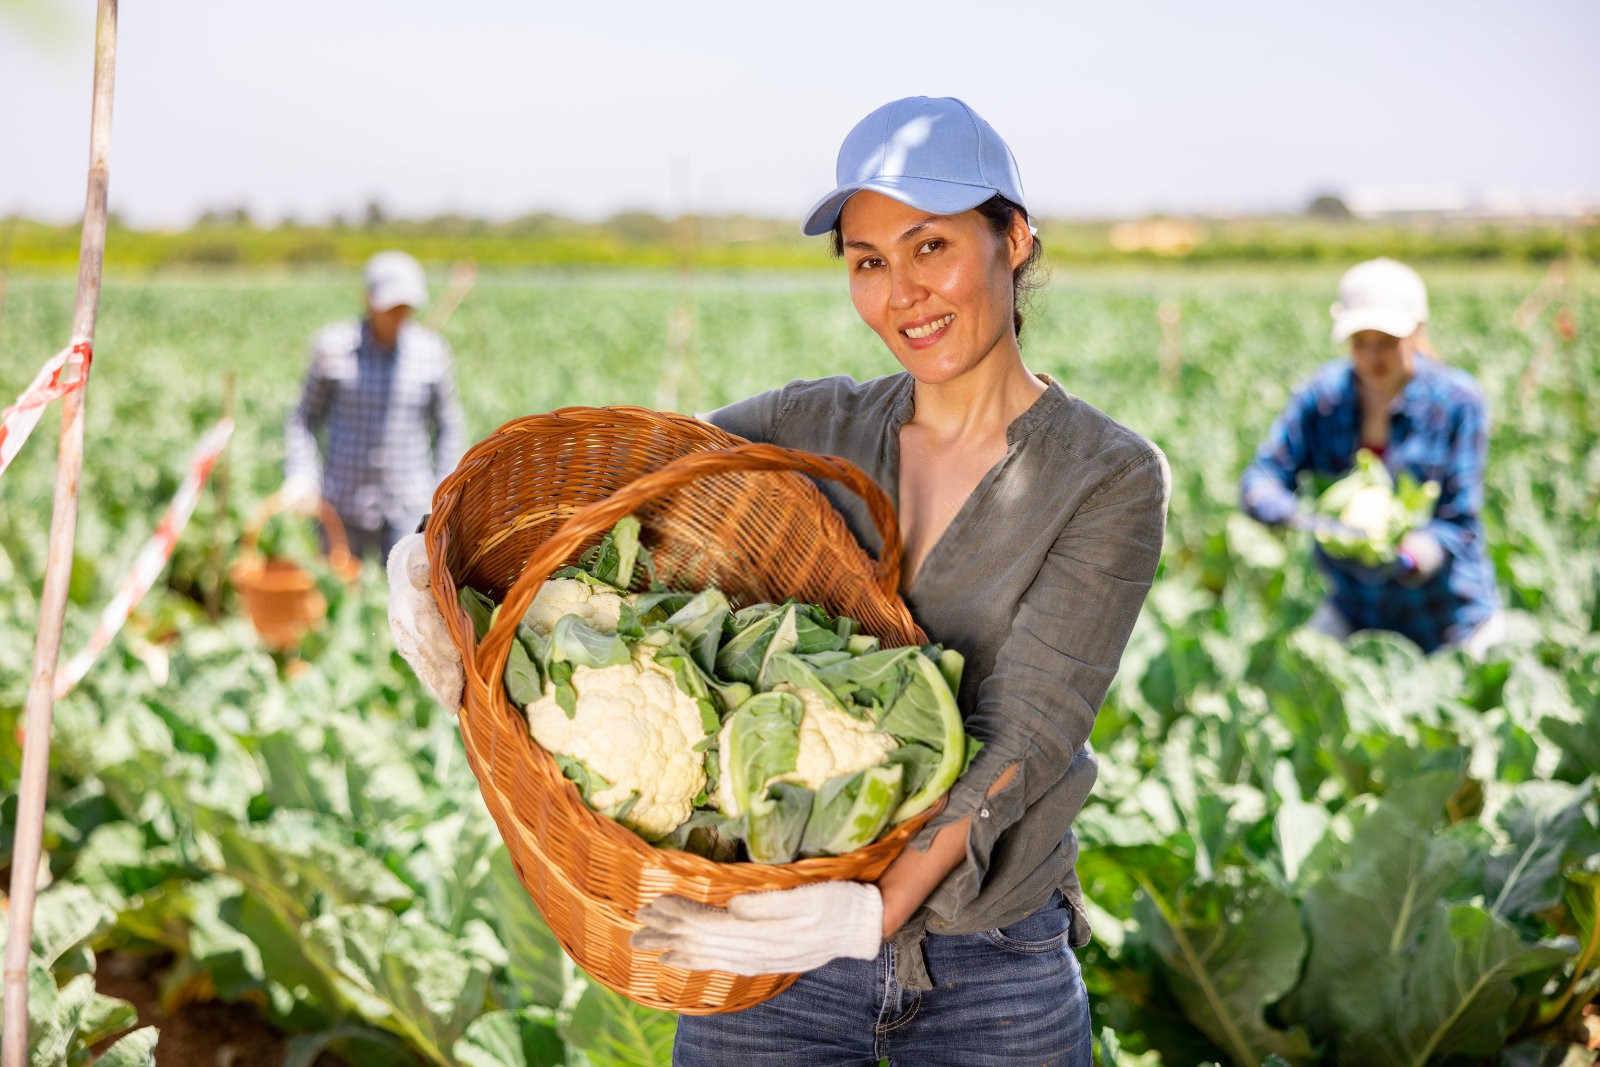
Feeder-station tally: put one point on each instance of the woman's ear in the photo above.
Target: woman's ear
(1019, 239)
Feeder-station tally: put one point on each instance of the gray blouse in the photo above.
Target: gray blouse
(1037, 582)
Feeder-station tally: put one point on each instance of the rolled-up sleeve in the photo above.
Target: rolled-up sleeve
(1266, 491)
(302, 460)
(1035, 710)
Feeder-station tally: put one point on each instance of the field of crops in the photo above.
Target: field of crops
(1295, 849)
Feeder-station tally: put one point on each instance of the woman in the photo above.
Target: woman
(1032, 525)
(1420, 417)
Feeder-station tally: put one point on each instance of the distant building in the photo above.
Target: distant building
(1167, 237)
(1402, 203)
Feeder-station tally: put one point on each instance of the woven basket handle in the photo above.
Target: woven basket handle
(338, 541)
(601, 515)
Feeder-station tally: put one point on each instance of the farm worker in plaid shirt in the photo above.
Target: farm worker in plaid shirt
(1391, 398)
(381, 391)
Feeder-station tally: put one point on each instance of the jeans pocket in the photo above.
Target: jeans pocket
(1044, 931)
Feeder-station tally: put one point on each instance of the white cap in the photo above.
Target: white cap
(1380, 294)
(394, 278)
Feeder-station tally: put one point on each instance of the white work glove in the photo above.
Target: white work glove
(420, 635)
(300, 494)
(781, 932)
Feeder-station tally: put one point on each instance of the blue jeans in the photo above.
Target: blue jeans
(999, 998)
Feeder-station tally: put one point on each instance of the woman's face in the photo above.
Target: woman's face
(936, 288)
(1382, 361)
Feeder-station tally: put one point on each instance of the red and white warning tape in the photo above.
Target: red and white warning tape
(152, 558)
(18, 420)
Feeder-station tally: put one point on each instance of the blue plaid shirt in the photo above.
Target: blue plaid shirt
(1438, 430)
(391, 419)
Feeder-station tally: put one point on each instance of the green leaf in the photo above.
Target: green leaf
(579, 774)
(576, 642)
(1230, 950)
(699, 626)
(566, 695)
(1252, 544)
(1541, 1054)
(707, 833)
(613, 1031)
(1579, 742)
(366, 1045)
(1547, 824)
(401, 975)
(305, 854)
(788, 668)
(208, 915)
(64, 917)
(614, 558)
(1452, 997)
(657, 605)
(524, 1038)
(775, 823)
(1298, 826)
(534, 961)
(851, 810)
(919, 763)
(137, 1049)
(479, 608)
(760, 741)
(741, 656)
(523, 677)
(1394, 870)
(102, 1016)
(815, 631)
(952, 665)
(925, 712)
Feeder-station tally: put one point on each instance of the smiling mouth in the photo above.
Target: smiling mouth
(916, 333)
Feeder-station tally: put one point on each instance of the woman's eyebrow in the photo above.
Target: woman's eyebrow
(869, 246)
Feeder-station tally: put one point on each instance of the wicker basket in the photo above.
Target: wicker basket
(280, 596)
(715, 510)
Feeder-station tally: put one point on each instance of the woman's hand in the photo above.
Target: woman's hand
(1420, 556)
(419, 631)
(780, 932)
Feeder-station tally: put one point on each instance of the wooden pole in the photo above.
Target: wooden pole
(58, 565)
(1169, 315)
(5, 261)
(219, 493)
(462, 277)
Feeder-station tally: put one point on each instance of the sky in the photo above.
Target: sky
(503, 107)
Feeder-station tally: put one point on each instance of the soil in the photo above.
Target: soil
(198, 1033)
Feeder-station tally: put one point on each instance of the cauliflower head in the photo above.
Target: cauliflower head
(832, 742)
(597, 608)
(1370, 510)
(636, 729)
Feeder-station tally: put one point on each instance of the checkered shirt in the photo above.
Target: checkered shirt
(390, 420)
(1438, 430)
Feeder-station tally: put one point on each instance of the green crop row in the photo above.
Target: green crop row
(1295, 849)
(639, 240)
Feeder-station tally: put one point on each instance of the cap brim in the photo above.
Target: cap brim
(1395, 324)
(382, 298)
(932, 195)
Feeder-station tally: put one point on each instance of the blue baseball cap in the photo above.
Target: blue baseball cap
(934, 153)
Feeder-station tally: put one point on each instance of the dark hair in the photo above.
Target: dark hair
(998, 210)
